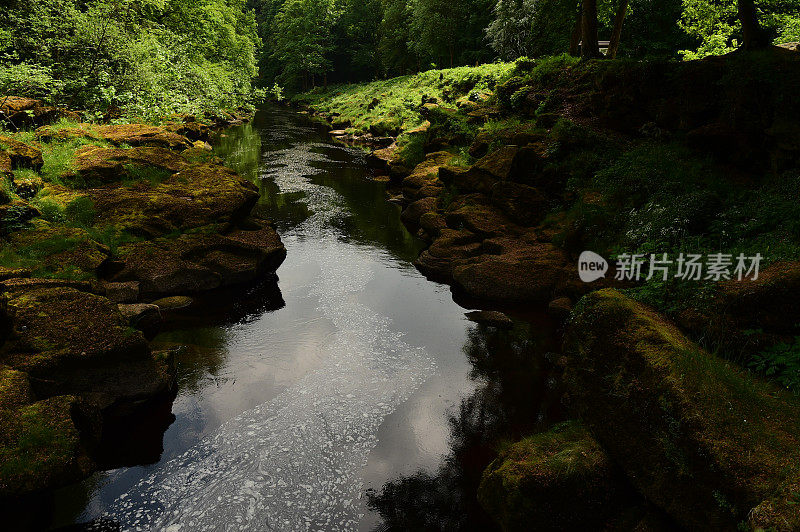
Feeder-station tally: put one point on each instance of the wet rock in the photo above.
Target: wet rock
(142, 316)
(697, 437)
(193, 130)
(199, 262)
(122, 292)
(491, 317)
(445, 252)
(173, 302)
(559, 480)
(412, 214)
(96, 165)
(531, 273)
(22, 155)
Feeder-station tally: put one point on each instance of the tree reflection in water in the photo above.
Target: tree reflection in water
(519, 393)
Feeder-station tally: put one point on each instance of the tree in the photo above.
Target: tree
(590, 48)
(752, 34)
(302, 40)
(616, 33)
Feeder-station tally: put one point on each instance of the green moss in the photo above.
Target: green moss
(39, 446)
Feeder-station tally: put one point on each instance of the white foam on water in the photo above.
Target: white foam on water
(295, 462)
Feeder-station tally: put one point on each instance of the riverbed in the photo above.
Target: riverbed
(353, 394)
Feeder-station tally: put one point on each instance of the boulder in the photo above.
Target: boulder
(22, 155)
(173, 302)
(56, 328)
(492, 168)
(15, 215)
(412, 214)
(26, 112)
(432, 223)
(199, 195)
(558, 480)
(118, 134)
(41, 446)
(27, 186)
(696, 436)
(97, 165)
(60, 248)
(560, 308)
(448, 249)
(198, 262)
(122, 292)
(527, 273)
(473, 214)
(142, 316)
(523, 204)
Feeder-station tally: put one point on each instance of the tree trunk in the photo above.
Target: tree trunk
(754, 36)
(616, 34)
(577, 31)
(590, 48)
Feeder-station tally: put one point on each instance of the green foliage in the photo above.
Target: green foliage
(781, 362)
(715, 24)
(399, 99)
(151, 57)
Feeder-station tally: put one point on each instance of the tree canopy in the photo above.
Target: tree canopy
(157, 56)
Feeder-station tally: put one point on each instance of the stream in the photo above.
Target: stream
(355, 395)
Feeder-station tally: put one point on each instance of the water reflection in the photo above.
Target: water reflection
(519, 393)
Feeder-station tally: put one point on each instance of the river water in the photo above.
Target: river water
(354, 396)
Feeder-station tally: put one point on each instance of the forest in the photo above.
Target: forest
(153, 57)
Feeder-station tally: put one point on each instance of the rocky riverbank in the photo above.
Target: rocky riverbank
(104, 228)
(615, 157)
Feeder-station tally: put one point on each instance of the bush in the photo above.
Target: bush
(781, 362)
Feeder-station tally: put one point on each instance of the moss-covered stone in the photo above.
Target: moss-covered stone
(200, 194)
(696, 436)
(60, 328)
(95, 165)
(41, 447)
(558, 480)
(201, 261)
(118, 134)
(22, 155)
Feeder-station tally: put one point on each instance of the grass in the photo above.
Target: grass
(399, 99)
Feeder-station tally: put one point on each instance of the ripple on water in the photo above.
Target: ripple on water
(295, 463)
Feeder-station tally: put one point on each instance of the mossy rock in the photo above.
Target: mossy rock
(61, 327)
(96, 165)
(201, 261)
(40, 446)
(22, 155)
(60, 251)
(695, 435)
(117, 134)
(198, 195)
(558, 480)
(15, 389)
